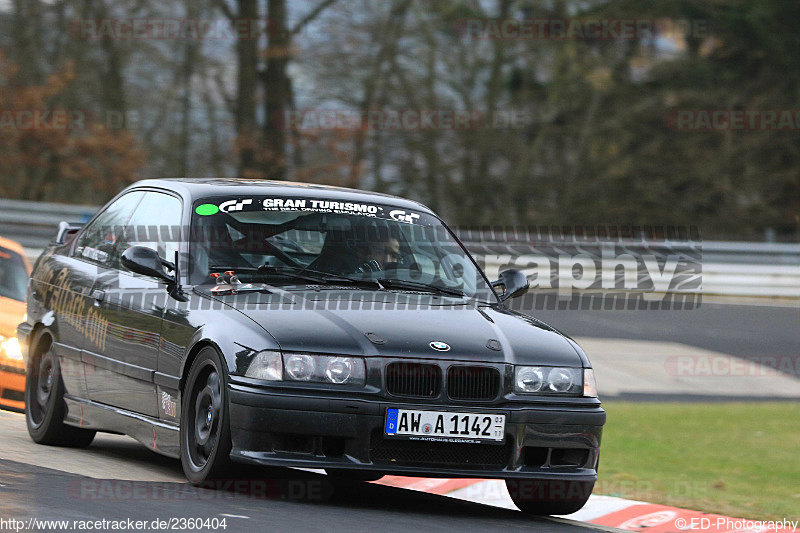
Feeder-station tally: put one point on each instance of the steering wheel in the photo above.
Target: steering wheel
(370, 266)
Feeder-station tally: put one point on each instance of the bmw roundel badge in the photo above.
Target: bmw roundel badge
(440, 346)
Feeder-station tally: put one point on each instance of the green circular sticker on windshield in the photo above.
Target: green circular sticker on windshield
(207, 209)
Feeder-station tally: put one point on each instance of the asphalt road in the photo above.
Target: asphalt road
(118, 479)
(130, 482)
(746, 331)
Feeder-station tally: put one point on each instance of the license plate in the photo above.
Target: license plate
(445, 426)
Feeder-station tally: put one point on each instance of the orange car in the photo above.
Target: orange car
(14, 272)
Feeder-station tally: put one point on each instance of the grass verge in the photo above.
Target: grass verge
(735, 459)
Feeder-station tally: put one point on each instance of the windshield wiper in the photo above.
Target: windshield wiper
(317, 275)
(407, 284)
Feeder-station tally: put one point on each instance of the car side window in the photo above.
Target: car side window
(98, 242)
(156, 224)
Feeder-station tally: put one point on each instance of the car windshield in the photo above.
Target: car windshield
(13, 275)
(295, 240)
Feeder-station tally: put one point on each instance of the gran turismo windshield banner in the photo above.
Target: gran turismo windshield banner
(214, 206)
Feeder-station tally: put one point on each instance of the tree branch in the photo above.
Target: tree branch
(225, 8)
(314, 13)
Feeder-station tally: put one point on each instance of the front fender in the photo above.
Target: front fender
(235, 335)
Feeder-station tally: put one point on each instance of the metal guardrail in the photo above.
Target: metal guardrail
(727, 268)
(723, 252)
(34, 224)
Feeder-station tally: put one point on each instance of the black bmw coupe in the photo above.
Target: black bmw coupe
(226, 321)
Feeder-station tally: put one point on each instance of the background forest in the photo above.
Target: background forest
(591, 141)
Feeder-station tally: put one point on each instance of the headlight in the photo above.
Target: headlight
(325, 369)
(267, 366)
(562, 380)
(300, 367)
(530, 379)
(11, 348)
(339, 370)
(336, 370)
(549, 380)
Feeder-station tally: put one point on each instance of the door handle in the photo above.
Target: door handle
(98, 296)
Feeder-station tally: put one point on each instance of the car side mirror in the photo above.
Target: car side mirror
(145, 261)
(513, 283)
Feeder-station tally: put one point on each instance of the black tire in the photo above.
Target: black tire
(205, 422)
(44, 403)
(353, 475)
(549, 497)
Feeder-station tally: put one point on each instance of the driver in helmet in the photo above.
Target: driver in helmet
(379, 254)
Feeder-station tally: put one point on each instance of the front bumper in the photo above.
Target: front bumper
(312, 431)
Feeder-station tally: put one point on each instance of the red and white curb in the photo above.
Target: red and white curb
(600, 510)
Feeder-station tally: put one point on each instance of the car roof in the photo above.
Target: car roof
(194, 188)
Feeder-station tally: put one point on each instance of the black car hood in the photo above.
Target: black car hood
(392, 324)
